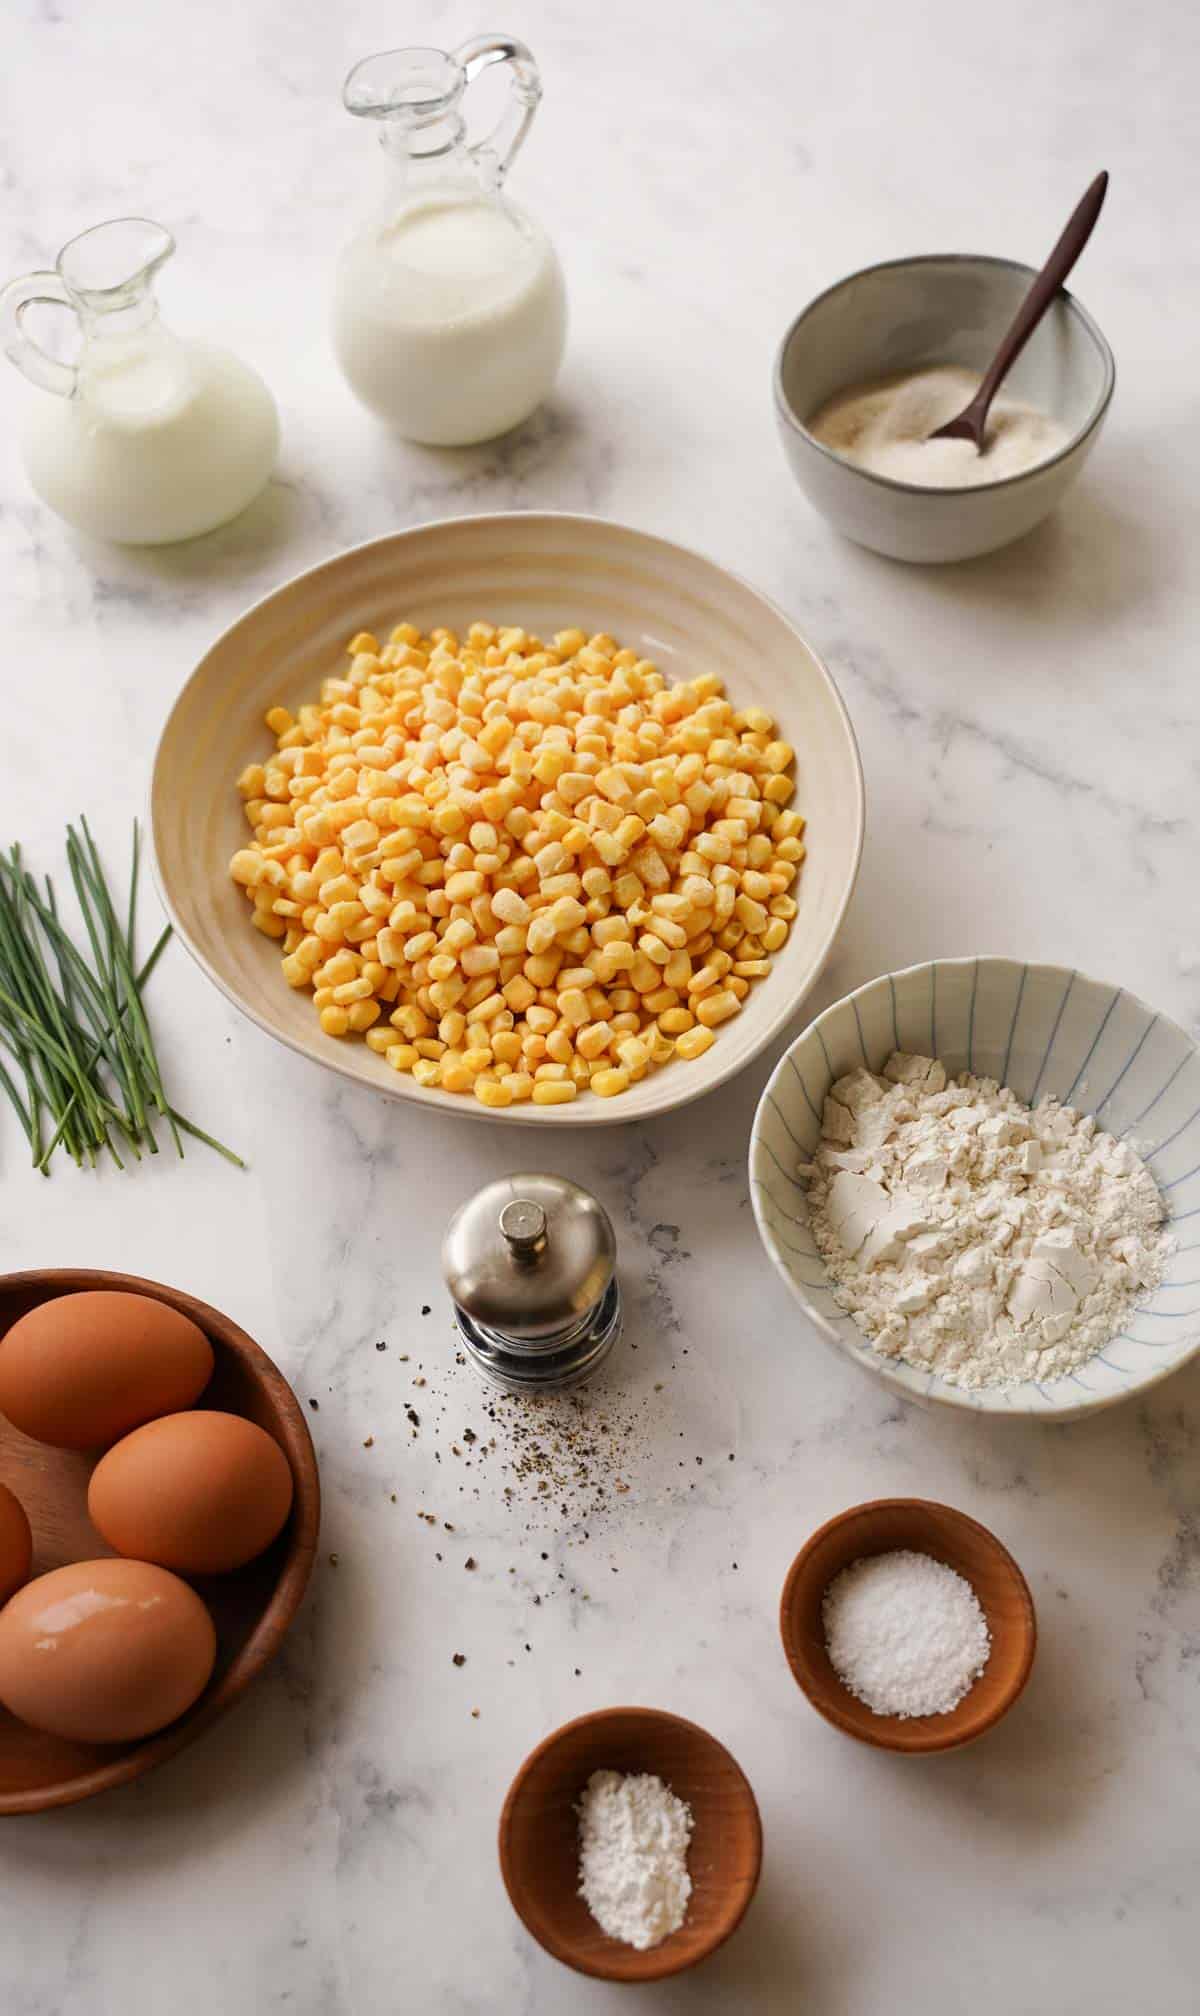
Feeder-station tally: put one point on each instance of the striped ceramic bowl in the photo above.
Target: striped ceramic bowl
(1039, 1029)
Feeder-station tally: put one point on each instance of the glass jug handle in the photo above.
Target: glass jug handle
(37, 364)
(498, 149)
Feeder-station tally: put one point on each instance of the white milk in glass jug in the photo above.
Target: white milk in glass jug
(449, 309)
(146, 439)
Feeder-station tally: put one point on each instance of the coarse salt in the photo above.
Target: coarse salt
(633, 1844)
(905, 1633)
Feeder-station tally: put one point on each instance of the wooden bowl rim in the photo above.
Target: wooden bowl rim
(914, 1742)
(658, 1962)
(305, 1518)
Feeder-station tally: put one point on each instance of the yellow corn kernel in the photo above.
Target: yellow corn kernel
(247, 867)
(271, 927)
(492, 1092)
(455, 1076)
(334, 1021)
(675, 1021)
(554, 1091)
(363, 1015)
(714, 1008)
(427, 1071)
(520, 1085)
(694, 1042)
(609, 1082)
(751, 969)
(592, 1041)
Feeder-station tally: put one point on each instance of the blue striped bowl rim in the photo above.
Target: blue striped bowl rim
(1042, 1029)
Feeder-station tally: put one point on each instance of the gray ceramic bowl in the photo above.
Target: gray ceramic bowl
(944, 309)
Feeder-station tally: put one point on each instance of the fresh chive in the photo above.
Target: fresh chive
(76, 1027)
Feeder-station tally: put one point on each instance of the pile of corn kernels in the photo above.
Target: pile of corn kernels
(521, 870)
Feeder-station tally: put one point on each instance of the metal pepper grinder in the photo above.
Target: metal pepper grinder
(530, 1263)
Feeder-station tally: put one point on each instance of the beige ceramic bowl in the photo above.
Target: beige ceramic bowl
(903, 316)
(545, 571)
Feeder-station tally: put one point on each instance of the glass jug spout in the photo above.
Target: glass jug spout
(416, 94)
(104, 278)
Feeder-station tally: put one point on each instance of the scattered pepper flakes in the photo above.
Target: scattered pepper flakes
(469, 1435)
(314, 1404)
(446, 1523)
(425, 1309)
(418, 1382)
(381, 1346)
(333, 1560)
(470, 1562)
(369, 1443)
(474, 1714)
(459, 1658)
(413, 1416)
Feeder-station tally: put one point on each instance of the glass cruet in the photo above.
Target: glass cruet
(449, 308)
(145, 438)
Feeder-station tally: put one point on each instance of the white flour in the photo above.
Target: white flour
(973, 1236)
(633, 1844)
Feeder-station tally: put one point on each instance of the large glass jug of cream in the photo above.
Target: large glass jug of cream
(146, 439)
(449, 309)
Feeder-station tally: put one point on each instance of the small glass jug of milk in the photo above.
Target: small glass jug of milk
(449, 308)
(145, 439)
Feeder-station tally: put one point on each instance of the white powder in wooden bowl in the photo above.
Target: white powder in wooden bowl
(633, 1844)
(905, 1633)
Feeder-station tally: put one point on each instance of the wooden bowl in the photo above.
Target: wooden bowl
(251, 1609)
(539, 1852)
(964, 1545)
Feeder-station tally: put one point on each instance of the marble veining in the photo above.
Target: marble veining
(1029, 726)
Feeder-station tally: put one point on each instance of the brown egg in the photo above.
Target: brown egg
(104, 1651)
(16, 1544)
(80, 1370)
(201, 1493)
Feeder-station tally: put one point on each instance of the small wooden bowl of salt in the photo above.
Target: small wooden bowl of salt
(908, 1625)
(544, 1856)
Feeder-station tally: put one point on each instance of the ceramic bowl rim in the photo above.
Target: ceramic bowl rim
(595, 1112)
(926, 1742)
(656, 1969)
(940, 1393)
(787, 412)
(295, 1569)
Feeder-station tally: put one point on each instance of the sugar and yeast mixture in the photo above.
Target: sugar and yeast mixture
(905, 1633)
(633, 1844)
(885, 427)
(974, 1236)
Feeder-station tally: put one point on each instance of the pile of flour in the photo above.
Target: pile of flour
(633, 1844)
(974, 1236)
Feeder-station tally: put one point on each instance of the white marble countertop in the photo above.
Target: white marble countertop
(1029, 730)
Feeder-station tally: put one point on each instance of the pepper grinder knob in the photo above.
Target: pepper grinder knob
(523, 1224)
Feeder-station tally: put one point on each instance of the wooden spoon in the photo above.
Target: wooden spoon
(970, 423)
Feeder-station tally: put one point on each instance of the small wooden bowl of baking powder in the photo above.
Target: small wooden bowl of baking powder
(883, 1527)
(539, 1844)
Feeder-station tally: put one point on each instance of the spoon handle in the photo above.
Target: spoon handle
(1077, 231)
